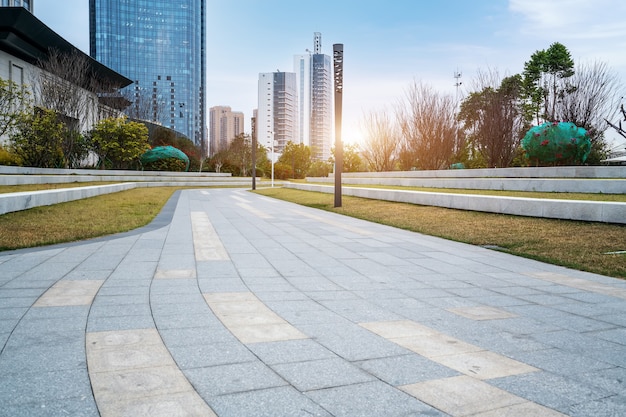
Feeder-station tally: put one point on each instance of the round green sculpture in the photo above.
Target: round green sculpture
(558, 143)
(161, 154)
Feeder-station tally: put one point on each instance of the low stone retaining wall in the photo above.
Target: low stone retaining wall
(596, 211)
(597, 179)
(28, 199)
(26, 175)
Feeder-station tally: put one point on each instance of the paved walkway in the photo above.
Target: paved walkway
(247, 306)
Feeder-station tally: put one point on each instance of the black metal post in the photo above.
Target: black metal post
(338, 71)
(253, 157)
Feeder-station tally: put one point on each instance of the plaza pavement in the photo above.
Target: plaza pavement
(235, 305)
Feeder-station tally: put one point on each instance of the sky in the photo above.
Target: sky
(388, 45)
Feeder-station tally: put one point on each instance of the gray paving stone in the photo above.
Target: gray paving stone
(282, 401)
(13, 313)
(550, 390)
(214, 354)
(321, 373)
(200, 335)
(611, 406)
(233, 378)
(406, 369)
(560, 362)
(351, 342)
(44, 387)
(75, 407)
(370, 399)
(110, 323)
(612, 380)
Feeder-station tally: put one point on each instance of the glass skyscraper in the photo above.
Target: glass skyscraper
(27, 4)
(160, 45)
(315, 94)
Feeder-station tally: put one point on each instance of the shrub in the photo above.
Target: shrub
(558, 143)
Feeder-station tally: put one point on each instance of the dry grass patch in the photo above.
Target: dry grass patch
(82, 219)
(579, 245)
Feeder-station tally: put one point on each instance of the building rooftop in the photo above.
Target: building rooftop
(28, 38)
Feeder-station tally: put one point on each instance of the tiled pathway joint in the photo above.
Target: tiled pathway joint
(245, 306)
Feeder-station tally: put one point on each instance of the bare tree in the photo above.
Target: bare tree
(381, 141)
(594, 97)
(62, 83)
(427, 121)
(144, 105)
(14, 101)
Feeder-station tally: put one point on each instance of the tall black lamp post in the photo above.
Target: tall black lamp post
(338, 71)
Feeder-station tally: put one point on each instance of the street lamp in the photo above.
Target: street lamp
(272, 156)
(338, 78)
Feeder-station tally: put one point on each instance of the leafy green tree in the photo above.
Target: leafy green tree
(119, 143)
(319, 169)
(298, 157)
(240, 154)
(14, 102)
(493, 119)
(37, 139)
(352, 161)
(545, 81)
(283, 171)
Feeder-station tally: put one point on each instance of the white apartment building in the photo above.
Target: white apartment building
(277, 112)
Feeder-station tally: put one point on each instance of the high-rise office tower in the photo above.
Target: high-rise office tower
(277, 114)
(27, 4)
(224, 126)
(160, 45)
(315, 91)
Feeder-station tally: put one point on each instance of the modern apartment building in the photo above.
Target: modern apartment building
(277, 113)
(224, 126)
(27, 4)
(160, 45)
(315, 92)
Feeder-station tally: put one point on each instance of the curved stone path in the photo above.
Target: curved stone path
(247, 306)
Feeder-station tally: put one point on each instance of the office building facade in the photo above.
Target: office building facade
(224, 126)
(27, 4)
(160, 45)
(277, 113)
(315, 92)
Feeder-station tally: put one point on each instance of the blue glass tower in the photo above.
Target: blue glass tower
(160, 45)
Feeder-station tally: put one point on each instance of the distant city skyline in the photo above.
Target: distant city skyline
(387, 45)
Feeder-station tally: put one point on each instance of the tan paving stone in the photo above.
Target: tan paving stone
(236, 307)
(175, 274)
(221, 297)
(249, 319)
(435, 345)
(105, 340)
(581, 284)
(397, 329)
(133, 375)
(482, 313)
(70, 293)
(206, 242)
(187, 404)
(527, 409)
(123, 358)
(138, 383)
(484, 364)
(461, 395)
